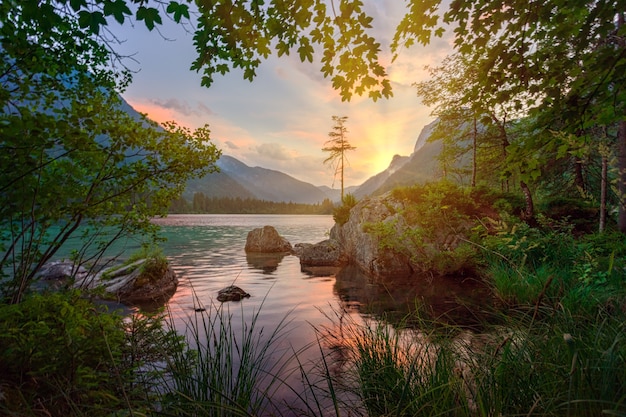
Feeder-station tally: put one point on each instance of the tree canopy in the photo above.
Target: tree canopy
(75, 162)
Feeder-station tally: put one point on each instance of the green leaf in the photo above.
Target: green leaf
(77, 4)
(93, 21)
(305, 51)
(150, 16)
(118, 9)
(178, 10)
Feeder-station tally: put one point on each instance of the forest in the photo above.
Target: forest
(229, 205)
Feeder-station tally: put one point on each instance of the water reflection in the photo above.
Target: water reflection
(266, 262)
(457, 300)
(207, 253)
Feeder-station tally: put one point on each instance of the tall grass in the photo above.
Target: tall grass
(225, 371)
(551, 363)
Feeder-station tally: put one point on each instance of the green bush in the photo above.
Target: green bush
(341, 214)
(60, 351)
(436, 218)
(62, 355)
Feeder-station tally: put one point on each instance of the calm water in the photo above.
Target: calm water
(207, 253)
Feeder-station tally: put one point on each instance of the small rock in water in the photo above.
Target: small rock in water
(232, 293)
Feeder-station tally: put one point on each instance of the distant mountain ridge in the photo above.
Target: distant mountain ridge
(237, 179)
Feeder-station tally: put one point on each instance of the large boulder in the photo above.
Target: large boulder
(384, 243)
(266, 240)
(137, 282)
(364, 249)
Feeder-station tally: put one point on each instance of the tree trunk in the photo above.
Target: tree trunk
(621, 178)
(578, 175)
(529, 210)
(603, 189)
(474, 141)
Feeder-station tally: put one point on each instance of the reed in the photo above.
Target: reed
(225, 371)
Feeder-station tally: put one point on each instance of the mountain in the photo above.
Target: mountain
(334, 194)
(370, 186)
(237, 179)
(421, 166)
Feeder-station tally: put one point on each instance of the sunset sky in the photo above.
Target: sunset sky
(282, 119)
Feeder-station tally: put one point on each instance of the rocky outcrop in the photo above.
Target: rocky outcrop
(380, 240)
(364, 249)
(128, 283)
(266, 240)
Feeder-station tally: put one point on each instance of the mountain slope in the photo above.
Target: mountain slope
(370, 186)
(237, 179)
(421, 166)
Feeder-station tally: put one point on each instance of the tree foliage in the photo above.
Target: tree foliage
(337, 146)
(559, 63)
(75, 164)
(228, 205)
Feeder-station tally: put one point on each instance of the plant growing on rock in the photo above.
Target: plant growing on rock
(341, 214)
(434, 227)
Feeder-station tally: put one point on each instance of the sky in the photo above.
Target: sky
(282, 119)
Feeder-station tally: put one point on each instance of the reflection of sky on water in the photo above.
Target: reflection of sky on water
(319, 308)
(207, 253)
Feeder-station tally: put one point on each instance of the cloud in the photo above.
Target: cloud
(273, 151)
(181, 106)
(231, 145)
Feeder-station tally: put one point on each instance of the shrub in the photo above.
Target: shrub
(62, 355)
(60, 351)
(341, 214)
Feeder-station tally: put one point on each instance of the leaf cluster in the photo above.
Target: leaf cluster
(242, 34)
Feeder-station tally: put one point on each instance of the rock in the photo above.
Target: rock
(364, 249)
(153, 290)
(61, 270)
(266, 240)
(325, 253)
(130, 285)
(59, 274)
(231, 293)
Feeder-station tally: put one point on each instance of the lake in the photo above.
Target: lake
(207, 253)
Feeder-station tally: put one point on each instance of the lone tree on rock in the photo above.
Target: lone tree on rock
(337, 145)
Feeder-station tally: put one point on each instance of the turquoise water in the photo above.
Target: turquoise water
(207, 253)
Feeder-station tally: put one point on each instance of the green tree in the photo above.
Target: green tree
(229, 35)
(562, 62)
(337, 146)
(75, 164)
